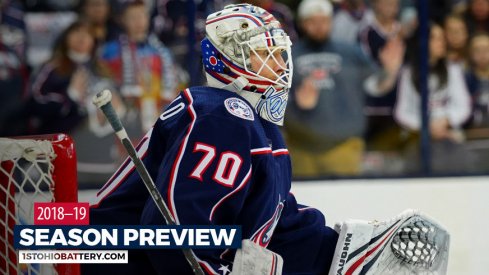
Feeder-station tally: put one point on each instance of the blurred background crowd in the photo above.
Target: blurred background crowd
(355, 108)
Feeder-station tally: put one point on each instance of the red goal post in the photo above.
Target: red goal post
(33, 169)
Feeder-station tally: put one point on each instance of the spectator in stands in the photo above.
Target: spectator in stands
(171, 21)
(325, 121)
(12, 67)
(97, 13)
(62, 89)
(61, 95)
(351, 17)
(457, 37)
(383, 27)
(60, 86)
(382, 132)
(476, 16)
(12, 27)
(477, 77)
(449, 104)
(118, 6)
(142, 67)
(171, 25)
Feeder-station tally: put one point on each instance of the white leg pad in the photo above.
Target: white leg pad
(410, 243)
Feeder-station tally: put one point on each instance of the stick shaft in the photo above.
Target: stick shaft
(148, 182)
(155, 194)
(102, 100)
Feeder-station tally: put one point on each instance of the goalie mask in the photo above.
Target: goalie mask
(235, 36)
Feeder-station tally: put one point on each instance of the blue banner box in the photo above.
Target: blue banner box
(127, 237)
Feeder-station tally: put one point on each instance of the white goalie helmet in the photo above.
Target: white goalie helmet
(233, 35)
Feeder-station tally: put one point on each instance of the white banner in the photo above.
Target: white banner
(73, 256)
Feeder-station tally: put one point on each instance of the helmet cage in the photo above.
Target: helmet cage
(281, 43)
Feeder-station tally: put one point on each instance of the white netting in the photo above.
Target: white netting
(25, 176)
(418, 247)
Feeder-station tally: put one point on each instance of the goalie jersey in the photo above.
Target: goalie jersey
(215, 162)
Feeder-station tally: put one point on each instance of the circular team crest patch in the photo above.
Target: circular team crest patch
(213, 60)
(239, 108)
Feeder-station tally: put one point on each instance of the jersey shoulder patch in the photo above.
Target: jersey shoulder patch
(239, 108)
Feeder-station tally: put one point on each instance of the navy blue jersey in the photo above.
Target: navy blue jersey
(215, 162)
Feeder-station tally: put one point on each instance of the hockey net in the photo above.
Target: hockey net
(33, 169)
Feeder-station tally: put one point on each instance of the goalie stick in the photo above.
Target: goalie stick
(103, 101)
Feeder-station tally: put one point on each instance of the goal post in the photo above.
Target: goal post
(33, 169)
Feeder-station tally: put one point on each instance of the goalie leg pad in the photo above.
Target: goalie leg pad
(411, 243)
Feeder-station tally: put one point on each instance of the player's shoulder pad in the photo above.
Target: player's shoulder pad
(222, 103)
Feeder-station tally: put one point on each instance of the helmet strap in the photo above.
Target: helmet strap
(237, 85)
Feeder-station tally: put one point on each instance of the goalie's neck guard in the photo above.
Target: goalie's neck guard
(232, 35)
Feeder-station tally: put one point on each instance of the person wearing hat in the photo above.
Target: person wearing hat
(325, 119)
